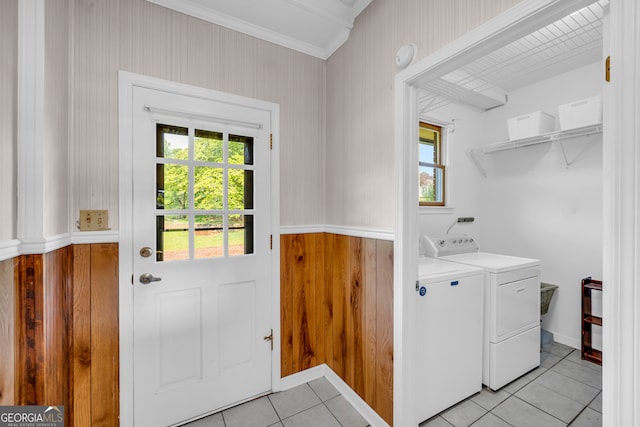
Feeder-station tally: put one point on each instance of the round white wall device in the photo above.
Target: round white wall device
(405, 55)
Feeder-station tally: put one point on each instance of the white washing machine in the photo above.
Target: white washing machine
(448, 342)
(511, 345)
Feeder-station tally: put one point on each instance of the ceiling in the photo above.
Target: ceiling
(563, 45)
(314, 27)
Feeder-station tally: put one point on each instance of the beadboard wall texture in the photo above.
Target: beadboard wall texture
(56, 121)
(359, 153)
(8, 116)
(143, 38)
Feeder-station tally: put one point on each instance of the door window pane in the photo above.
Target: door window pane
(172, 186)
(172, 142)
(240, 189)
(172, 237)
(209, 236)
(207, 188)
(240, 150)
(208, 146)
(240, 235)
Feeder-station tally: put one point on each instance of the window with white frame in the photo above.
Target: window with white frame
(431, 168)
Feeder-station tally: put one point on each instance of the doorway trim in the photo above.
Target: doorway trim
(126, 82)
(622, 192)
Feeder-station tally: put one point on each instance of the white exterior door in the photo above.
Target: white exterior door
(201, 255)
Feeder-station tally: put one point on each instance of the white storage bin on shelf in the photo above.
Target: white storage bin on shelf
(580, 113)
(530, 125)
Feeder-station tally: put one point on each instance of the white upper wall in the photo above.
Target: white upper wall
(532, 205)
(359, 156)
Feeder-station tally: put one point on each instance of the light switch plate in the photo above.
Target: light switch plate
(94, 220)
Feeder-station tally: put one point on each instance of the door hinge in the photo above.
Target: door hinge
(271, 241)
(607, 69)
(270, 338)
(270, 141)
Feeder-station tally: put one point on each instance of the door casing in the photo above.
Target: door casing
(127, 81)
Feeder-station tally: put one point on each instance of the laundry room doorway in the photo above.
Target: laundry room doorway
(619, 159)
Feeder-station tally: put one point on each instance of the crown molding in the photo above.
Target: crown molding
(338, 15)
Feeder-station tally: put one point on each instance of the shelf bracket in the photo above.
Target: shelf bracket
(564, 155)
(476, 161)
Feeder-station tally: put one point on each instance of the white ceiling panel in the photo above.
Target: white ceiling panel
(314, 27)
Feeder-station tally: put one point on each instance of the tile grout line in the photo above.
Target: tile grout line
(274, 408)
(548, 369)
(540, 409)
(332, 414)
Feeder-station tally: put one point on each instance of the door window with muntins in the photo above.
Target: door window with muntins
(204, 194)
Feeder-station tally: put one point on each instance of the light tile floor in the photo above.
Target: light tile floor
(563, 391)
(314, 404)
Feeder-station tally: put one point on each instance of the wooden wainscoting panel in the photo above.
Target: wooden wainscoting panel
(354, 304)
(303, 299)
(324, 303)
(369, 315)
(81, 337)
(55, 320)
(337, 262)
(29, 336)
(337, 308)
(105, 399)
(7, 332)
(286, 305)
(304, 328)
(384, 331)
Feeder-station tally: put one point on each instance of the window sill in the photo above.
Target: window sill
(435, 210)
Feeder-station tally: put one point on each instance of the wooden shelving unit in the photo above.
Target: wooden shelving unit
(588, 320)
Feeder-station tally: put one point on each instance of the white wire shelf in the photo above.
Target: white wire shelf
(576, 38)
(557, 136)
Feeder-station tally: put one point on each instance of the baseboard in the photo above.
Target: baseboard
(351, 396)
(355, 400)
(294, 380)
(570, 341)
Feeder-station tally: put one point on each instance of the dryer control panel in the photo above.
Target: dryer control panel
(450, 244)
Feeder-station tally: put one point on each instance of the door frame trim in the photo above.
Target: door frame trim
(126, 82)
